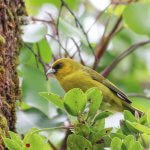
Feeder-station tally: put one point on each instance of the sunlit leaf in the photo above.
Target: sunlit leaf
(129, 141)
(140, 127)
(116, 144)
(15, 137)
(11, 144)
(35, 141)
(129, 116)
(136, 146)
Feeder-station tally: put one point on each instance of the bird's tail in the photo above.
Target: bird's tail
(133, 110)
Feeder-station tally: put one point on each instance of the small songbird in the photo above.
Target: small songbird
(72, 74)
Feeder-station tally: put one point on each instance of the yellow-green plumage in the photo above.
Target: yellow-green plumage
(71, 74)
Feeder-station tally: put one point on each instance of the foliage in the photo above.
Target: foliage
(87, 126)
(31, 141)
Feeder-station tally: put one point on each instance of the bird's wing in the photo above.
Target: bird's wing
(96, 76)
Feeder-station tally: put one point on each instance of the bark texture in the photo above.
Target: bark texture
(11, 14)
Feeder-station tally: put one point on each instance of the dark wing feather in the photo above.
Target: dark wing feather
(96, 76)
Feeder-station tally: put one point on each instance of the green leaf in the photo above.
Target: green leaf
(146, 139)
(94, 95)
(128, 141)
(129, 116)
(107, 140)
(98, 125)
(77, 142)
(11, 144)
(98, 147)
(131, 127)
(102, 115)
(28, 134)
(136, 146)
(143, 120)
(82, 129)
(35, 141)
(116, 144)
(124, 128)
(140, 127)
(15, 137)
(55, 99)
(75, 101)
(33, 33)
(119, 135)
(95, 137)
(134, 16)
(45, 50)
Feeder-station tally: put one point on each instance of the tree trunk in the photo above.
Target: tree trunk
(11, 13)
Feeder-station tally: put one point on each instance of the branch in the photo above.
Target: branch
(114, 2)
(139, 95)
(52, 145)
(101, 47)
(79, 51)
(65, 50)
(97, 17)
(57, 24)
(57, 29)
(120, 57)
(41, 61)
(80, 25)
(38, 57)
(64, 143)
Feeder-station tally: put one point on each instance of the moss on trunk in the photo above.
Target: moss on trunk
(11, 12)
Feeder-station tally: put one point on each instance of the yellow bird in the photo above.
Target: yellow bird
(72, 74)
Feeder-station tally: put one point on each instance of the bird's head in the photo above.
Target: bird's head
(63, 67)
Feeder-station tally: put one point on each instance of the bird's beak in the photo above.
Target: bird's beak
(50, 71)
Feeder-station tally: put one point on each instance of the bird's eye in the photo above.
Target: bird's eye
(58, 66)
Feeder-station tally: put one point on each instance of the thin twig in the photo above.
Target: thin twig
(59, 14)
(98, 17)
(64, 143)
(120, 3)
(120, 57)
(65, 50)
(54, 128)
(37, 56)
(52, 145)
(104, 42)
(139, 95)
(41, 61)
(41, 20)
(57, 28)
(80, 25)
(79, 51)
